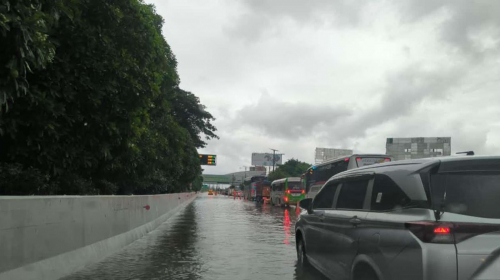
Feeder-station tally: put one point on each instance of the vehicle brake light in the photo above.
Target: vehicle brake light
(442, 230)
(358, 158)
(303, 191)
(346, 159)
(432, 232)
(387, 159)
(286, 199)
(288, 191)
(436, 232)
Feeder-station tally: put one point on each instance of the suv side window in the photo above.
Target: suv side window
(352, 195)
(324, 199)
(387, 195)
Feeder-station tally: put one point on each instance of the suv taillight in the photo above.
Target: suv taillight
(448, 233)
(431, 232)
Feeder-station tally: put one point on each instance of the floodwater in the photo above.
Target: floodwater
(214, 237)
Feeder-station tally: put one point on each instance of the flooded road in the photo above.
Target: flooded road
(214, 237)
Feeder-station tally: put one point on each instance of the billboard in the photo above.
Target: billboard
(266, 159)
(325, 154)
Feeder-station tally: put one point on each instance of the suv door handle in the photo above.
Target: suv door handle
(355, 221)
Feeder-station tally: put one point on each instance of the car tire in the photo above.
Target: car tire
(301, 254)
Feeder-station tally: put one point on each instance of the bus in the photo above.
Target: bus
(317, 175)
(251, 188)
(287, 191)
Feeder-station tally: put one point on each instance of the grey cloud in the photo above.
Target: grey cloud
(405, 90)
(344, 10)
(409, 86)
(287, 120)
(466, 18)
(263, 16)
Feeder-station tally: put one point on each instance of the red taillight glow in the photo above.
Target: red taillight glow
(358, 158)
(303, 191)
(346, 159)
(448, 233)
(286, 199)
(442, 230)
(432, 232)
(288, 191)
(387, 159)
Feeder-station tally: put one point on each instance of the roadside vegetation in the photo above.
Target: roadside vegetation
(291, 168)
(90, 102)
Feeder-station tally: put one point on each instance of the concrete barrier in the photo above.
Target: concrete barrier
(48, 237)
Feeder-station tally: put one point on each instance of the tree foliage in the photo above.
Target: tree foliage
(90, 99)
(291, 168)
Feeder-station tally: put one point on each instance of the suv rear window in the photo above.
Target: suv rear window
(472, 193)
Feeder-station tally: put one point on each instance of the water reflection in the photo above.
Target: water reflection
(286, 226)
(215, 237)
(166, 253)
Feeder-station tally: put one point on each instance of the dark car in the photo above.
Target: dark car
(433, 218)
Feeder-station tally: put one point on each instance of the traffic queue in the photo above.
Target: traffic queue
(291, 190)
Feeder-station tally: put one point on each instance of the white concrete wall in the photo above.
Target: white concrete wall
(47, 237)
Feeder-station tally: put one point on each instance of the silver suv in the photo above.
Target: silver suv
(435, 218)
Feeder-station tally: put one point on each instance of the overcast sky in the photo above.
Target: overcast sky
(294, 75)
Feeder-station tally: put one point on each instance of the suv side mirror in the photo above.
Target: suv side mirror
(306, 204)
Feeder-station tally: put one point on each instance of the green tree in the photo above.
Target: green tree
(25, 47)
(101, 110)
(291, 168)
(192, 115)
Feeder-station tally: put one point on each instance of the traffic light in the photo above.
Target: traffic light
(208, 160)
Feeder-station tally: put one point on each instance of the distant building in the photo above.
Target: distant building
(418, 147)
(325, 154)
(257, 168)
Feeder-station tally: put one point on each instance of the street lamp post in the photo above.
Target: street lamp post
(245, 173)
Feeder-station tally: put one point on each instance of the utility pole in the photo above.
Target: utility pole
(274, 157)
(245, 173)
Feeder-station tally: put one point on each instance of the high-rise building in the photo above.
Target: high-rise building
(418, 147)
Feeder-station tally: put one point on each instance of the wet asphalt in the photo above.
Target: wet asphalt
(213, 237)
